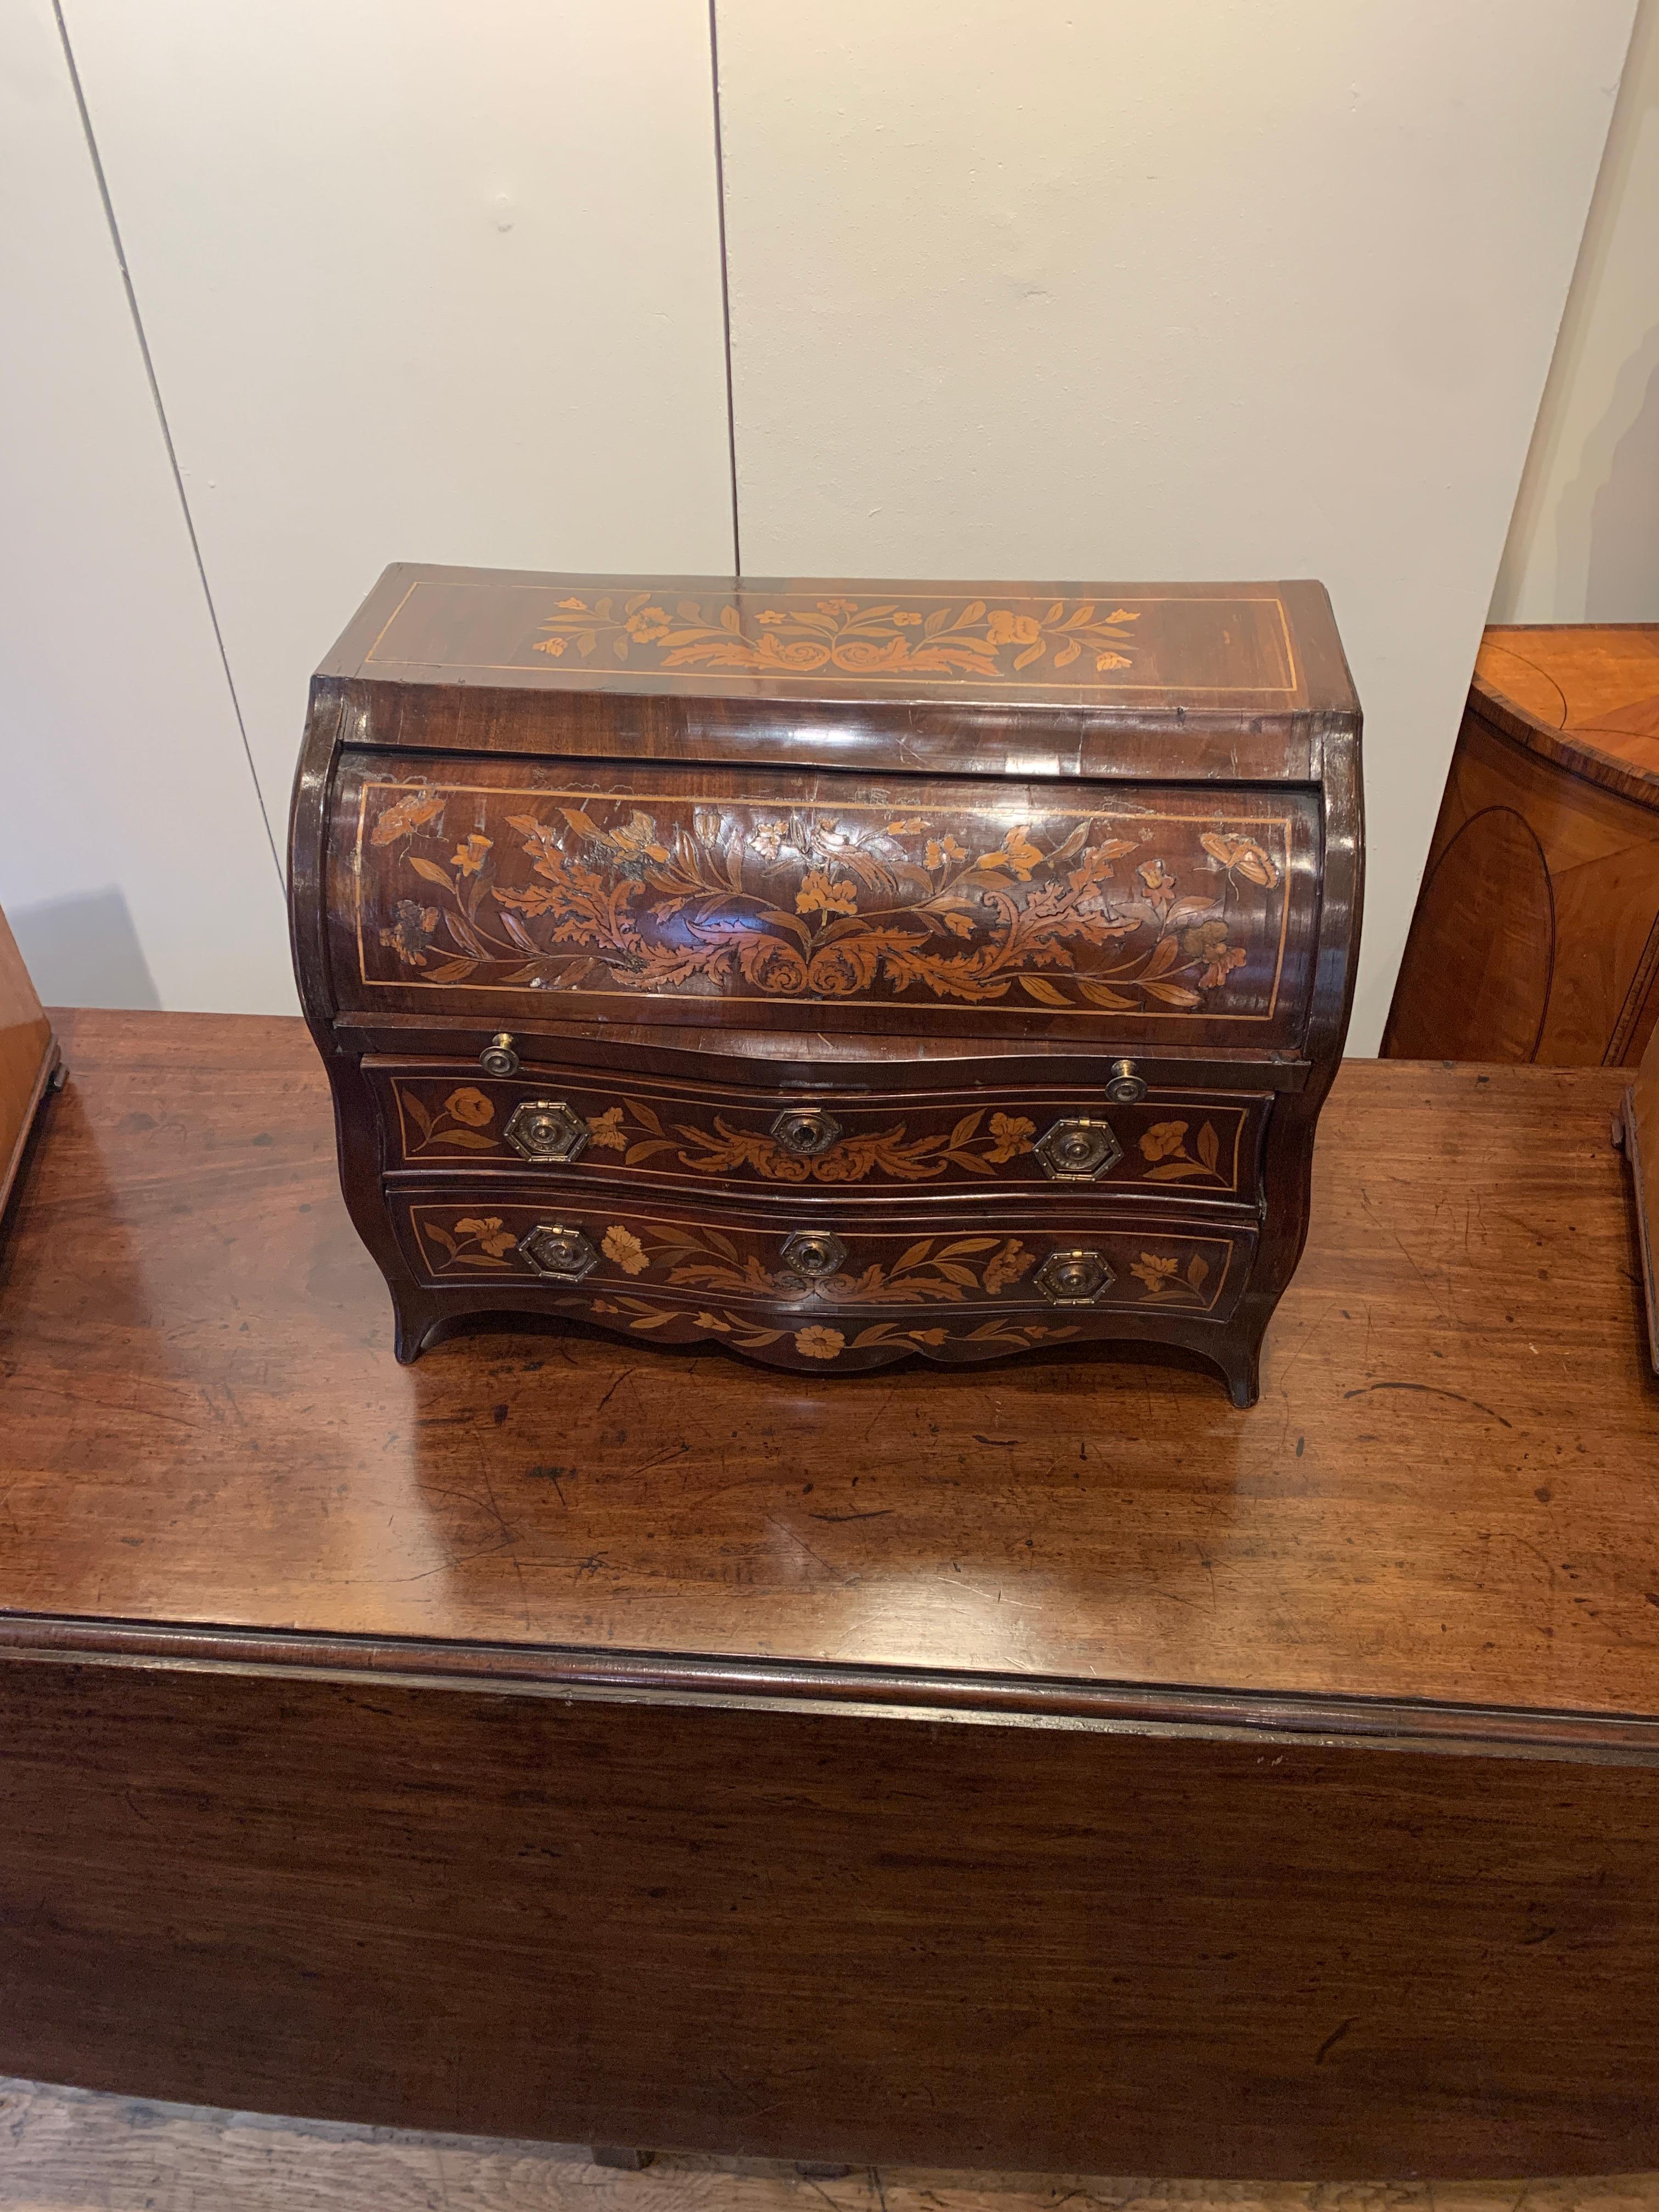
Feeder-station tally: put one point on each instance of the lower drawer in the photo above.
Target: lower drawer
(840, 1282)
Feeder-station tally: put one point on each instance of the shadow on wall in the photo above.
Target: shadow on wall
(1622, 583)
(84, 951)
(1608, 523)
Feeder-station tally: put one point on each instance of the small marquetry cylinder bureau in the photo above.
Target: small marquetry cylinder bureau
(837, 972)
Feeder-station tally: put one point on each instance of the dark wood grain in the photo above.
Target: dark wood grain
(834, 833)
(183, 1293)
(1640, 1130)
(1536, 933)
(1035, 1768)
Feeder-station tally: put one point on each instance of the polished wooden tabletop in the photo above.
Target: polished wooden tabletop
(1448, 1491)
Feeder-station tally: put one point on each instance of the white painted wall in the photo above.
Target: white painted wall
(1225, 287)
(1210, 288)
(1584, 545)
(422, 280)
(134, 865)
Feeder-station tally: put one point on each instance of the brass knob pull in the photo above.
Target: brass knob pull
(813, 1253)
(547, 1131)
(498, 1057)
(1074, 1279)
(562, 1253)
(1077, 1150)
(807, 1131)
(1126, 1087)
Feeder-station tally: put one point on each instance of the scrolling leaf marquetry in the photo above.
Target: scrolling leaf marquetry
(817, 902)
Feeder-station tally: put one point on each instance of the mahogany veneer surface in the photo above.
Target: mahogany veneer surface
(1043, 1768)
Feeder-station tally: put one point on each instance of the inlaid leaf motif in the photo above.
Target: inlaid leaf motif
(828, 905)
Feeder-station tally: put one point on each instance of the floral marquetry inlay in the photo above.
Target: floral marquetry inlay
(856, 636)
(1133, 911)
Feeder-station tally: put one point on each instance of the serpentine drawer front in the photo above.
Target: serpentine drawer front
(634, 1131)
(831, 1289)
(1023, 917)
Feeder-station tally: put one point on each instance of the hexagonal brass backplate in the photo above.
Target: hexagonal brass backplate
(562, 1253)
(814, 1253)
(1079, 1150)
(547, 1130)
(1074, 1279)
(807, 1131)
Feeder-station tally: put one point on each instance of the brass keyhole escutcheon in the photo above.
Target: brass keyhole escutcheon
(547, 1131)
(1079, 1148)
(498, 1057)
(1074, 1279)
(814, 1253)
(563, 1255)
(805, 1131)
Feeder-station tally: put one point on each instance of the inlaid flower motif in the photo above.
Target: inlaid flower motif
(1208, 942)
(819, 895)
(405, 815)
(713, 1320)
(492, 1237)
(1013, 1134)
(906, 621)
(768, 836)
(470, 1106)
(1006, 1266)
(1158, 1275)
(648, 624)
(574, 606)
(1105, 660)
(1163, 1140)
(470, 854)
(411, 932)
(1007, 628)
(706, 824)
(605, 1130)
(553, 647)
(624, 1249)
(944, 851)
(818, 1343)
(838, 606)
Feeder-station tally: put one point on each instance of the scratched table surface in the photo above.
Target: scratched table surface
(1447, 1492)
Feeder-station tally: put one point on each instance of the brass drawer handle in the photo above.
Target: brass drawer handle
(1074, 1279)
(1126, 1087)
(1077, 1150)
(814, 1253)
(807, 1131)
(547, 1131)
(563, 1254)
(498, 1057)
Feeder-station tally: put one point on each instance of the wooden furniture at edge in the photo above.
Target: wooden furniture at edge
(1039, 1768)
(29, 1059)
(1639, 1130)
(1536, 933)
(842, 972)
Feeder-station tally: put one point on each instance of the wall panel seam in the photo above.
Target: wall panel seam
(114, 229)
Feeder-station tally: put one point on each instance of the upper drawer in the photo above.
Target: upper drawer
(1170, 914)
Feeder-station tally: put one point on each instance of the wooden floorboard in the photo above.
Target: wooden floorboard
(67, 2150)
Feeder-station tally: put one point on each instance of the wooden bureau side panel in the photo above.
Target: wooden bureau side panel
(26, 1056)
(789, 1933)
(1152, 913)
(1534, 933)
